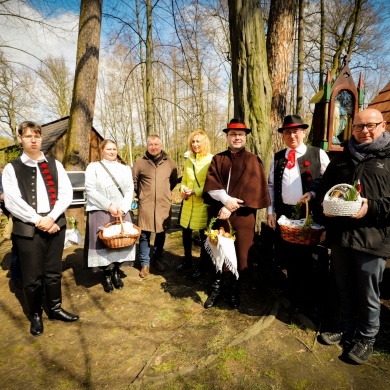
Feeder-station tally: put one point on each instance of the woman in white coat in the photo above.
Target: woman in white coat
(109, 188)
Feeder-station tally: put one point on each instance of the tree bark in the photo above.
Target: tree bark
(301, 57)
(251, 85)
(77, 147)
(280, 43)
(149, 90)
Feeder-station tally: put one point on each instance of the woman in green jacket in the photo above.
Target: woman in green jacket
(194, 210)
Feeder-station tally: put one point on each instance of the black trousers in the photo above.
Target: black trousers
(40, 257)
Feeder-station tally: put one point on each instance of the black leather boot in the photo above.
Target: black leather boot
(107, 281)
(185, 265)
(33, 297)
(234, 292)
(116, 279)
(217, 287)
(54, 301)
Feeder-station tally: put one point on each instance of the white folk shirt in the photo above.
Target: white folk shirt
(291, 181)
(18, 207)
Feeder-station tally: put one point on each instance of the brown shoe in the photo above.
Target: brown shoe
(144, 272)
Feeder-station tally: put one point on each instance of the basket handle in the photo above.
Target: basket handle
(307, 209)
(121, 221)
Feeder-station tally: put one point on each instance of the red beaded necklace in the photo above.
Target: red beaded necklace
(48, 178)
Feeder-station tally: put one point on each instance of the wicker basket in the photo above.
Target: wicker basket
(121, 240)
(295, 235)
(339, 206)
(214, 238)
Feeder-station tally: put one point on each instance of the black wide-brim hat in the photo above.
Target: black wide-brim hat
(292, 122)
(237, 124)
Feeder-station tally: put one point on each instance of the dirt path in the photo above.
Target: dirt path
(155, 333)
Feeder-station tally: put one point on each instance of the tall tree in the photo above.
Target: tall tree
(280, 39)
(58, 82)
(251, 85)
(84, 92)
(301, 57)
(149, 90)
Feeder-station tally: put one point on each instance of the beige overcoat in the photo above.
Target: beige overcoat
(153, 185)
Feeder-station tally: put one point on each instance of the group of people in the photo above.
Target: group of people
(232, 186)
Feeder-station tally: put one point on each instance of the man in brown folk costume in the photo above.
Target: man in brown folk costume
(235, 188)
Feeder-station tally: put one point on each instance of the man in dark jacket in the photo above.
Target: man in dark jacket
(360, 244)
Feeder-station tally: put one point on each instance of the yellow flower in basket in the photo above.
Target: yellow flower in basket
(213, 234)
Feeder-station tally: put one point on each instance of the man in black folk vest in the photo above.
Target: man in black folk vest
(37, 191)
(291, 180)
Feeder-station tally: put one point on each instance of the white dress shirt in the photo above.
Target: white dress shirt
(291, 182)
(18, 207)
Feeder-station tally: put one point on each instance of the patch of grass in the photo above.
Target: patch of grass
(224, 372)
(270, 374)
(237, 354)
(164, 367)
(382, 354)
(300, 385)
(294, 327)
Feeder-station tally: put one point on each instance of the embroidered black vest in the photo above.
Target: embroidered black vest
(27, 183)
(309, 166)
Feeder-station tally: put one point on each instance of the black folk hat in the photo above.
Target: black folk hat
(292, 122)
(237, 124)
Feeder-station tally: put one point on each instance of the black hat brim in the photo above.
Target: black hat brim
(302, 126)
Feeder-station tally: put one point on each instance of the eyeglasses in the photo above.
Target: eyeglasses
(29, 138)
(291, 132)
(368, 126)
(234, 135)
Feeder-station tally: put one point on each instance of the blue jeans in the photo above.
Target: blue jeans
(358, 275)
(144, 247)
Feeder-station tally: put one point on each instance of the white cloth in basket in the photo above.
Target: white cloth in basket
(223, 253)
(115, 230)
(72, 237)
(299, 223)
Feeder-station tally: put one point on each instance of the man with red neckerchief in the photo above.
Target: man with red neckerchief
(37, 191)
(293, 177)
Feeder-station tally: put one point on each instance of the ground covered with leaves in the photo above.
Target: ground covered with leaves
(155, 333)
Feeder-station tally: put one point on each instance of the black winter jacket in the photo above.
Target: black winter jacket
(371, 233)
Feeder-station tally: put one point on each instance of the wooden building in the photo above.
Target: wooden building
(382, 103)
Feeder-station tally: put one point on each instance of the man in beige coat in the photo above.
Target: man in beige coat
(155, 176)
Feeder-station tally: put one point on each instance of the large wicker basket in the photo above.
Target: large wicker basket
(339, 206)
(121, 240)
(296, 235)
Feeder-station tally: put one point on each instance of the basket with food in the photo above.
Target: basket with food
(213, 234)
(343, 200)
(300, 231)
(119, 234)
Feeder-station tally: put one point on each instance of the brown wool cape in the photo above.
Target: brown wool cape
(247, 182)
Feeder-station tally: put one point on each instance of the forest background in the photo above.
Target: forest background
(139, 67)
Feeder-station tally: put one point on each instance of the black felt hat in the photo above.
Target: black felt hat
(292, 122)
(237, 124)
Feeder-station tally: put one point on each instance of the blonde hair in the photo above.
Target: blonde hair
(204, 143)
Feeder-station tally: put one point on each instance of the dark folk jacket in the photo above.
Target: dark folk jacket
(248, 180)
(371, 233)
